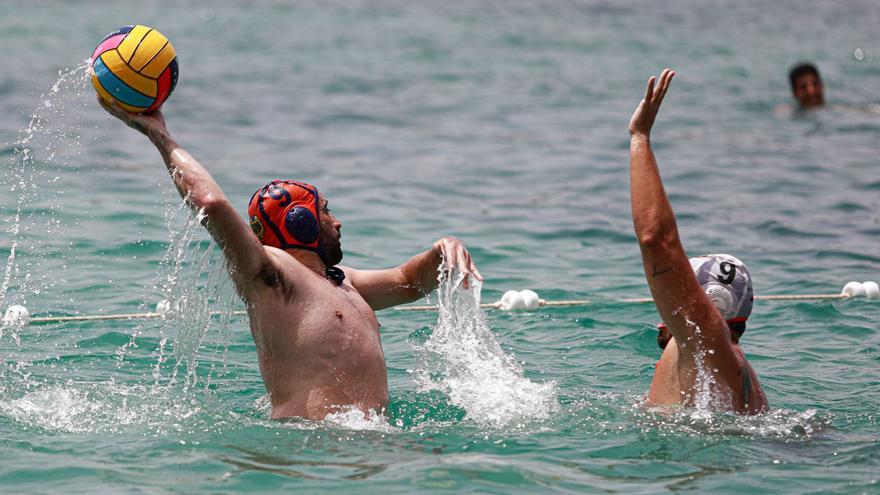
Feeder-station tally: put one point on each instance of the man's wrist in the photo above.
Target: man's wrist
(157, 134)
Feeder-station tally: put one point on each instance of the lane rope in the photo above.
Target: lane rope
(641, 300)
(528, 300)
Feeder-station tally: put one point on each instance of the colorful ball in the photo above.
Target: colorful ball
(136, 66)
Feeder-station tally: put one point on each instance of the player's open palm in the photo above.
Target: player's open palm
(643, 118)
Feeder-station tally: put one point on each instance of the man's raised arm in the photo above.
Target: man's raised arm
(415, 278)
(244, 252)
(681, 302)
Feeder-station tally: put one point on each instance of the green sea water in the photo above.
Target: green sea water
(503, 123)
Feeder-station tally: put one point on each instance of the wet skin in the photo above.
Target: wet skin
(317, 341)
(699, 338)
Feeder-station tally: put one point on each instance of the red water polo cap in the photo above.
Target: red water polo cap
(286, 214)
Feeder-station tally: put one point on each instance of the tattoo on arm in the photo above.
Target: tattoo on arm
(660, 271)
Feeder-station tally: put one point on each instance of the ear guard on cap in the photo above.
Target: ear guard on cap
(302, 225)
(286, 214)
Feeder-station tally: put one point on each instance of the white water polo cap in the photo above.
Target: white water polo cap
(728, 284)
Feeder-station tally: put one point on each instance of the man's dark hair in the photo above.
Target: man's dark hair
(802, 69)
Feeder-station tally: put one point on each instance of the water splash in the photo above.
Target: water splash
(193, 278)
(706, 396)
(462, 359)
(104, 407)
(50, 143)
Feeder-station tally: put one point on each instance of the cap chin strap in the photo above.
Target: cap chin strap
(335, 274)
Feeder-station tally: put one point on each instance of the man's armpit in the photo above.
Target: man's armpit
(271, 276)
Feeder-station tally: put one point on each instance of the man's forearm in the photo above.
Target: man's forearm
(421, 270)
(193, 181)
(653, 218)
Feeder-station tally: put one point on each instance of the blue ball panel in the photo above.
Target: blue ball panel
(118, 89)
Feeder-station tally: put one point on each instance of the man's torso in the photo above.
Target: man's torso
(317, 343)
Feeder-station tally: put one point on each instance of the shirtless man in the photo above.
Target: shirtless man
(703, 302)
(314, 324)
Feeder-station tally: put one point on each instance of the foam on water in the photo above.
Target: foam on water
(353, 418)
(100, 407)
(776, 424)
(462, 359)
(349, 418)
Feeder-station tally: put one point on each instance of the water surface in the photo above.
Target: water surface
(503, 123)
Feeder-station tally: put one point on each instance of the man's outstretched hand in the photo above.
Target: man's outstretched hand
(457, 256)
(643, 118)
(142, 122)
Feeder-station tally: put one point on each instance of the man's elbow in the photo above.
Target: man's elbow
(208, 203)
(657, 238)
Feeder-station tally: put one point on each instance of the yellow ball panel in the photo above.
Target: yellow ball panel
(132, 40)
(120, 69)
(152, 44)
(157, 65)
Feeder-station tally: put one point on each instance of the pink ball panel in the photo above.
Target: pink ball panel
(108, 44)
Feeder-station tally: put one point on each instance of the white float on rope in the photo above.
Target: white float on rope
(530, 298)
(511, 300)
(854, 289)
(165, 309)
(872, 290)
(16, 316)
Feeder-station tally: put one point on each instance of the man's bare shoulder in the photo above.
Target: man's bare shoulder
(282, 273)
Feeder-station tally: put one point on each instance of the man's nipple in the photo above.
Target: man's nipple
(339, 314)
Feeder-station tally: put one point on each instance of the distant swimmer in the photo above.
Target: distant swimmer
(806, 85)
(704, 302)
(313, 323)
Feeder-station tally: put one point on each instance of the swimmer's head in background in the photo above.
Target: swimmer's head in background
(728, 284)
(806, 85)
(285, 214)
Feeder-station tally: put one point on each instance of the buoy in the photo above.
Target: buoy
(165, 309)
(512, 299)
(530, 298)
(853, 289)
(872, 290)
(17, 316)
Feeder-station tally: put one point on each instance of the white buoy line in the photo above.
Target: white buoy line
(512, 300)
(528, 300)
